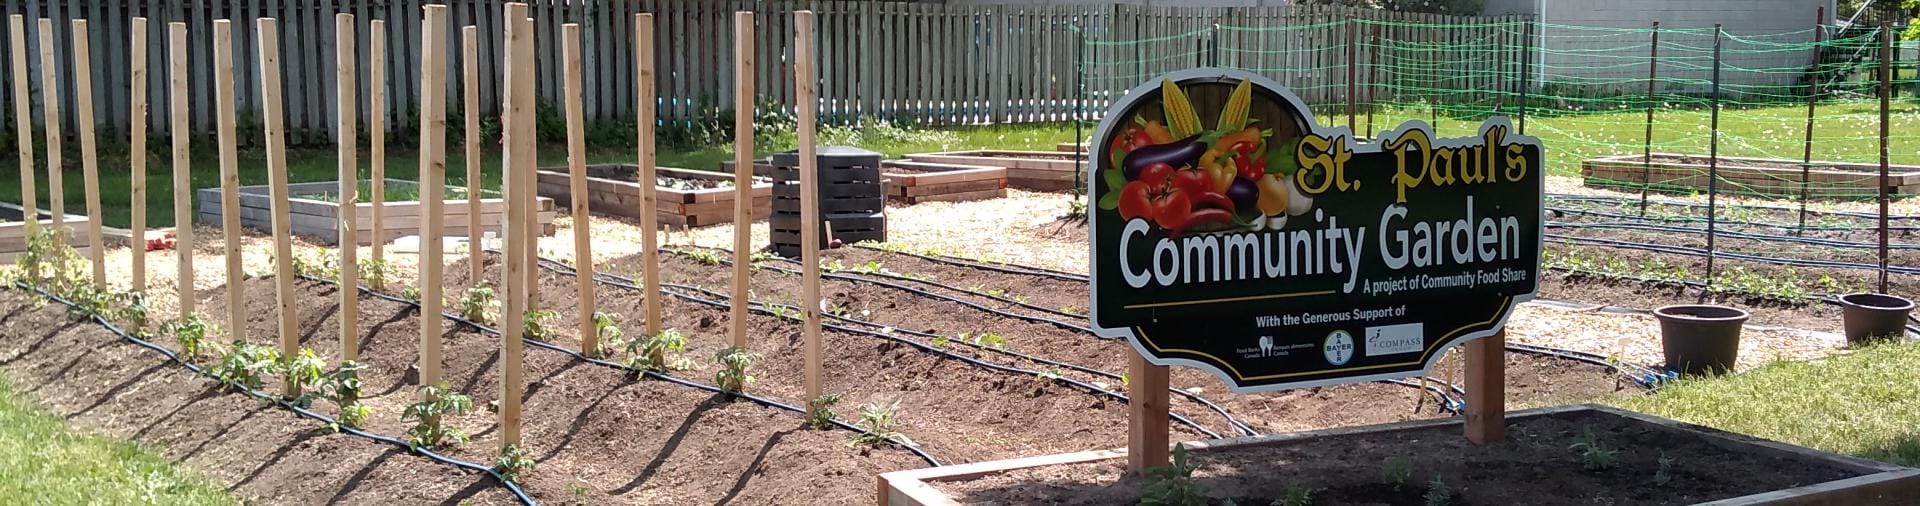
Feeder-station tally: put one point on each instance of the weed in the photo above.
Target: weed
(411, 294)
(1297, 495)
(822, 411)
(301, 372)
(374, 272)
(733, 375)
(436, 402)
(190, 332)
(879, 424)
(1594, 454)
(246, 365)
(513, 462)
(1396, 470)
(477, 304)
(536, 323)
(317, 265)
(1664, 474)
(1172, 485)
(658, 352)
(704, 256)
(1437, 493)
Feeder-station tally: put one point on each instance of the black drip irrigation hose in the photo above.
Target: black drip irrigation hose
(1567, 197)
(761, 308)
(1442, 396)
(1664, 219)
(1702, 252)
(538, 343)
(1810, 241)
(991, 266)
(518, 494)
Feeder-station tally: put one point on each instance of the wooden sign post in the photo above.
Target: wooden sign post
(433, 177)
(137, 159)
(1147, 414)
(377, 136)
(743, 64)
(273, 119)
(1487, 389)
(229, 176)
(470, 66)
(518, 128)
(50, 104)
(182, 164)
(89, 160)
(574, 91)
(23, 132)
(649, 215)
(347, 103)
(803, 87)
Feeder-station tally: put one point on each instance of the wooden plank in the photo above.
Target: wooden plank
(470, 56)
(89, 158)
(23, 126)
(229, 175)
(575, 90)
(743, 62)
(1486, 389)
(137, 149)
(518, 76)
(50, 104)
(347, 139)
(273, 121)
(649, 222)
(182, 167)
(433, 173)
(377, 131)
(809, 201)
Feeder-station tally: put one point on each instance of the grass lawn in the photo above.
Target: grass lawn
(44, 459)
(1865, 403)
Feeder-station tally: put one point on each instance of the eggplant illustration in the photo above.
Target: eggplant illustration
(1177, 154)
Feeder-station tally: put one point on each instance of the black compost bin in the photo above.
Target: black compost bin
(852, 198)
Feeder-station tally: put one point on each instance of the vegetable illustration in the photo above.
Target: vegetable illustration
(1181, 177)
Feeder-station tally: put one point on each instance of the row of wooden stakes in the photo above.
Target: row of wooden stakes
(518, 156)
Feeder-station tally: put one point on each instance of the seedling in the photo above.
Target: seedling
(1664, 474)
(733, 375)
(513, 462)
(536, 321)
(658, 353)
(1297, 495)
(189, 332)
(704, 256)
(1172, 485)
(374, 272)
(320, 265)
(822, 409)
(879, 423)
(1437, 493)
(477, 304)
(1594, 454)
(436, 402)
(301, 372)
(342, 387)
(1396, 470)
(411, 294)
(607, 326)
(940, 341)
(246, 365)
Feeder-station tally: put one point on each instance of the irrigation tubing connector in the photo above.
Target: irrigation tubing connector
(512, 487)
(538, 343)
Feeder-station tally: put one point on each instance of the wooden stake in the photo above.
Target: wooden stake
(347, 102)
(1487, 389)
(649, 221)
(23, 132)
(182, 164)
(433, 176)
(273, 119)
(50, 104)
(137, 161)
(1146, 413)
(577, 186)
(743, 41)
(89, 160)
(229, 176)
(470, 64)
(377, 133)
(809, 199)
(518, 74)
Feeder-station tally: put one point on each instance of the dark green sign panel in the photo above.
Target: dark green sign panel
(1231, 233)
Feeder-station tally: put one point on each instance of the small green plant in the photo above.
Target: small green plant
(301, 372)
(437, 401)
(1438, 494)
(704, 256)
(1172, 485)
(477, 303)
(1594, 454)
(940, 341)
(1396, 470)
(374, 272)
(513, 463)
(577, 487)
(659, 352)
(246, 365)
(536, 322)
(342, 388)
(317, 265)
(733, 375)
(411, 294)
(607, 326)
(190, 332)
(821, 411)
(1297, 495)
(1664, 474)
(879, 424)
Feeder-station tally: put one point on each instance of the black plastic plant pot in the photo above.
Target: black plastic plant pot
(1872, 316)
(1700, 339)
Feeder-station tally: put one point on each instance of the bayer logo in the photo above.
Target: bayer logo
(1338, 347)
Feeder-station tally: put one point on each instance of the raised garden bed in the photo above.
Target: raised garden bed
(13, 231)
(1070, 147)
(1678, 173)
(314, 207)
(684, 197)
(915, 182)
(1027, 170)
(1652, 460)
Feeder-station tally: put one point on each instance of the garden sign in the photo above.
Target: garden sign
(1231, 233)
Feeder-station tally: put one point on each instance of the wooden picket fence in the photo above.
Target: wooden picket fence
(925, 63)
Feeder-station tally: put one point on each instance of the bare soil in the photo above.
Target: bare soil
(1534, 466)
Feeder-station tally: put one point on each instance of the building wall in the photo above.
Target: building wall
(1602, 47)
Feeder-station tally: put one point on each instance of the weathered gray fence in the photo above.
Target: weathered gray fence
(919, 62)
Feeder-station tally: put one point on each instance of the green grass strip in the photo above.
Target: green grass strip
(43, 458)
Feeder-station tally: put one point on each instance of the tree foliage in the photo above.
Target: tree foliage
(1454, 7)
